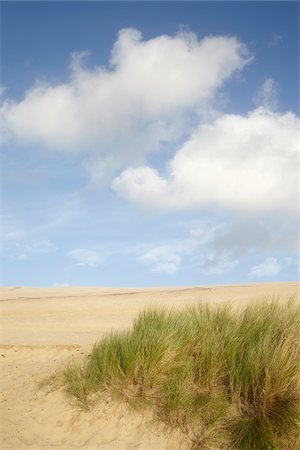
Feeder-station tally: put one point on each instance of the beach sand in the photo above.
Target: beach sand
(42, 329)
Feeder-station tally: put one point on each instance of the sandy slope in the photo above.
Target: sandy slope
(42, 328)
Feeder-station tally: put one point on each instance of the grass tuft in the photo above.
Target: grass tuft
(223, 376)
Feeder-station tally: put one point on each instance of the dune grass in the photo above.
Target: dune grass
(225, 377)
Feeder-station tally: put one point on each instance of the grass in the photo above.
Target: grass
(225, 377)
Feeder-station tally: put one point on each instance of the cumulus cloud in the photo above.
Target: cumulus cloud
(133, 106)
(243, 163)
(268, 268)
(267, 95)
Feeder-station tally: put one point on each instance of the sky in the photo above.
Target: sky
(149, 143)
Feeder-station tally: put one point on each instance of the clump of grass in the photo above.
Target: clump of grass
(132, 364)
(81, 382)
(263, 364)
(222, 376)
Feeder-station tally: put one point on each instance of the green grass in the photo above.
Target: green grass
(225, 377)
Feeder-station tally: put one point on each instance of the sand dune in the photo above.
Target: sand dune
(41, 329)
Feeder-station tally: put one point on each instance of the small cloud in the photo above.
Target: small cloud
(287, 261)
(58, 285)
(21, 257)
(275, 40)
(167, 268)
(217, 264)
(162, 259)
(77, 61)
(44, 246)
(269, 268)
(205, 233)
(18, 250)
(2, 90)
(267, 95)
(86, 257)
(13, 236)
(101, 170)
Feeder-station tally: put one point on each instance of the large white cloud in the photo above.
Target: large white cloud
(243, 163)
(141, 100)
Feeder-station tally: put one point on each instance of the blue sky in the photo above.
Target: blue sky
(149, 143)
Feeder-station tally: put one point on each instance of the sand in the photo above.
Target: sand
(41, 329)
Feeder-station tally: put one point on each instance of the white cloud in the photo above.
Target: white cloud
(2, 89)
(44, 246)
(13, 235)
(195, 250)
(269, 268)
(205, 233)
(220, 248)
(20, 256)
(165, 268)
(243, 163)
(217, 263)
(19, 250)
(87, 257)
(213, 247)
(162, 259)
(140, 101)
(275, 40)
(60, 285)
(287, 261)
(245, 233)
(267, 95)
